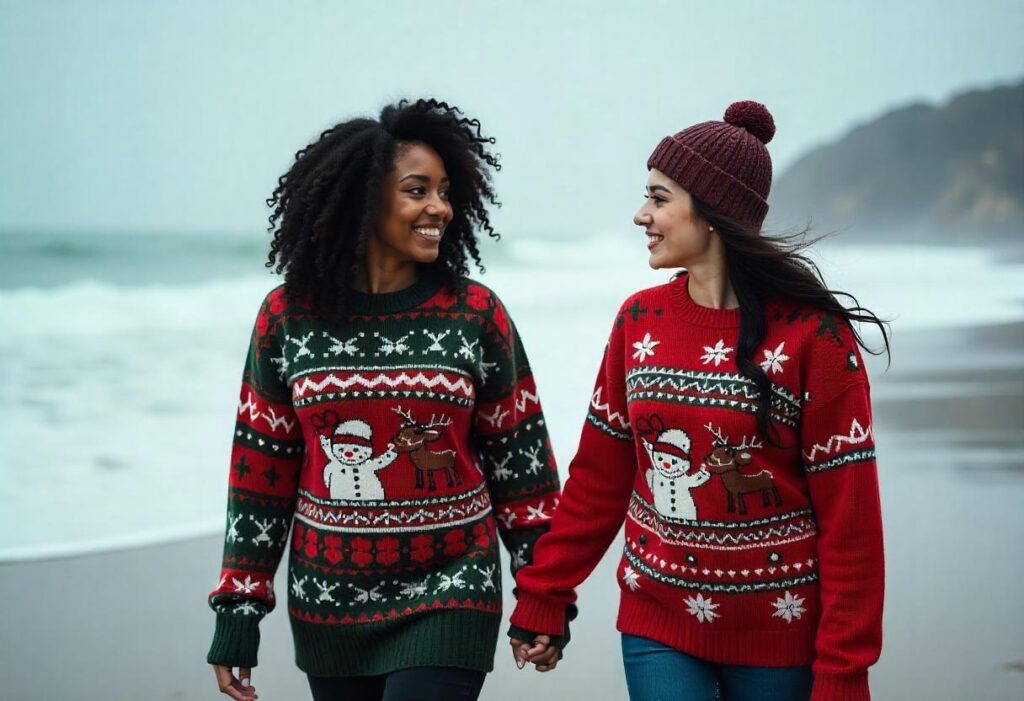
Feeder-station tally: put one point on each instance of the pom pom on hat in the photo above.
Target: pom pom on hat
(752, 116)
(724, 164)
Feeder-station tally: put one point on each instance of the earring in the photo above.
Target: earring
(711, 228)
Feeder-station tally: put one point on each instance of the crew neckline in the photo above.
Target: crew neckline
(697, 314)
(400, 300)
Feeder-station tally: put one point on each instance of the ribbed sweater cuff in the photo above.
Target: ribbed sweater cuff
(235, 641)
(539, 615)
(841, 687)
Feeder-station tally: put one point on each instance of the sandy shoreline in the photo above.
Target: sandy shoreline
(133, 623)
(106, 626)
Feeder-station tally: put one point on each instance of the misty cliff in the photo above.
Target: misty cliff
(953, 172)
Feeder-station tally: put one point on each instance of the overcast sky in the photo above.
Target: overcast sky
(136, 116)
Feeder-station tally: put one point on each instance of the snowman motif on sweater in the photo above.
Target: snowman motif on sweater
(351, 471)
(669, 478)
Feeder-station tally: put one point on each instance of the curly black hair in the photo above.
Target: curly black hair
(327, 205)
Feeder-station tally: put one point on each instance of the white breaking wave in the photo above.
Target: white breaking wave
(117, 404)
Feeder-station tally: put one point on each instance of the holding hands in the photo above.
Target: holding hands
(540, 652)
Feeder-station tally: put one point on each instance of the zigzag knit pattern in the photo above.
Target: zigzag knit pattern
(738, 550)
(391, 454)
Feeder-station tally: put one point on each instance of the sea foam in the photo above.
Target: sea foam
(117, 403)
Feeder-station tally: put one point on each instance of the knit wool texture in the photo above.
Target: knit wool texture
(736, 551)
(391, 453)
(724, 164)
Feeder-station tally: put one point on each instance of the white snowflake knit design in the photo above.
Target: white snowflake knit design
(233, 535)
(450, 581)
(301, 343)
(282, 365)
(363, 596)
(644, 348)
(246, 587)
(538, 513)
(398, 346)
(789, 607)
(299, 587)
(631, 578)
(773, 360)
(717, 353)
(436, 346)
(246, 608)
(345, 346)
(415, 588)
(703, 609)
(519, 558)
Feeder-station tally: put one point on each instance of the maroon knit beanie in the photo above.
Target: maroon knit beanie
(724, 164)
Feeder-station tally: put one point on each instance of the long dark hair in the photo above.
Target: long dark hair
(764, 267)
(326, 206)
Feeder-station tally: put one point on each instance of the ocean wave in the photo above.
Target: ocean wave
(117, 402)
(95, 308)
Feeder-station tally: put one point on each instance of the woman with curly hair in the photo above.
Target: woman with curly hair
(730, 427)
(388, 421)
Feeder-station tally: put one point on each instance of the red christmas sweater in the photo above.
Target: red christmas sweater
(736, 551)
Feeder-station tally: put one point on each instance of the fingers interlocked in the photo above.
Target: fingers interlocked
(540, 652)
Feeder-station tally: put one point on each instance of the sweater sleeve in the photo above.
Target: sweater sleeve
(837, 442)
(512, 438)
(266, 456)
(593, 505)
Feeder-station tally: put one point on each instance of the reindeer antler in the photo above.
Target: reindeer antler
(407, 415)
(754, 443)
(443, 421)
(720, 440)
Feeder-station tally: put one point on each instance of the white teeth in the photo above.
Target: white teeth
(431, 233)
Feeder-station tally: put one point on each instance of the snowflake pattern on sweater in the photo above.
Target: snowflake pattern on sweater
(395, 450)
(737, 549)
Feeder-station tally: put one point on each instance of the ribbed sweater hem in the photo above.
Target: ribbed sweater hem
(459, 638)
(840, 687)
(678, 629)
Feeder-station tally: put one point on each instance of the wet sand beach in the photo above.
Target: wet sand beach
(949, 418)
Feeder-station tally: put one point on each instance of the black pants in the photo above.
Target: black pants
(414, 684)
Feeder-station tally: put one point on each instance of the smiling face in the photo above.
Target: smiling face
(668, 464)
(670, 453)
(414, 207)
(676, 236)
(350, 453)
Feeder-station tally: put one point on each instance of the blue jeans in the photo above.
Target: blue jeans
(656, 672)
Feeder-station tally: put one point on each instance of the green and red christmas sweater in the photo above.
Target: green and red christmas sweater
(395, 449)
(736, 550)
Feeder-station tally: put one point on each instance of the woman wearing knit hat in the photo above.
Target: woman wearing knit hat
(771, 587)
(388, 421)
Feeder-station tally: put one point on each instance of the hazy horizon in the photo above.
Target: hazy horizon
(139, 118)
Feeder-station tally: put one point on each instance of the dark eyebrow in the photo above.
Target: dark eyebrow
(659, 188)
(422, 178)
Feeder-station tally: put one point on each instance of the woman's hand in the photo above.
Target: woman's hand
(542, 653)
(238, 688)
